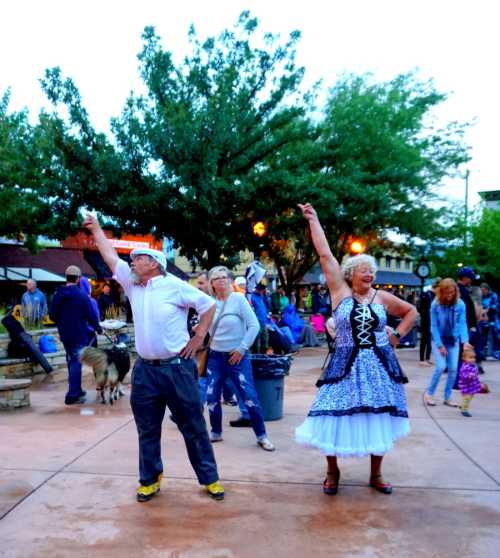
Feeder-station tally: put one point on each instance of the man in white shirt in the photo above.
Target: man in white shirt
(164, 373)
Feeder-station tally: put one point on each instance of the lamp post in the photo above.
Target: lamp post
(466, 207)
(259, 229)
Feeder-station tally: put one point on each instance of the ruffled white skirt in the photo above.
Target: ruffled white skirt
(352, 435)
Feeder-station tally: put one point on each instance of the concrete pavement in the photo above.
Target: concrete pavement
(68, 480)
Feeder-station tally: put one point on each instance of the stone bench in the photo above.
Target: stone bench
(24, 368)
(14, 394)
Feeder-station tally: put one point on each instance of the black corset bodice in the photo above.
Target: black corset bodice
(364, 321)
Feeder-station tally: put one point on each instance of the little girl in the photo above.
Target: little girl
(468, 380)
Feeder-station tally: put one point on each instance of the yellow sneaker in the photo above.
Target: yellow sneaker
(216, 490)
(146, 492)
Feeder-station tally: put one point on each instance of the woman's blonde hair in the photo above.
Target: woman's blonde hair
(217, 269)
(350, 264)
(446, 284)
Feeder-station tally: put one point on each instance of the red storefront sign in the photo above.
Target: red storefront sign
(123, 245)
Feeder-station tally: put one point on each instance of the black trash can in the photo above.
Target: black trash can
(269, 373)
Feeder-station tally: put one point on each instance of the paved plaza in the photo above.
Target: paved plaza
(68, 481)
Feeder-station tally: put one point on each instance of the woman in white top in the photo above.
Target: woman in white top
(234, 329)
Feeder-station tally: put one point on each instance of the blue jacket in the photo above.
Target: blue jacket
(441, 315)
(72, 312)
(33, 305)
(291, 319)
(260, 307)
(490, 303)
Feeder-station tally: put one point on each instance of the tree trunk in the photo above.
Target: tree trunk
(213, 257)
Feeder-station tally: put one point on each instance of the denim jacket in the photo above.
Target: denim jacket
(440, 314)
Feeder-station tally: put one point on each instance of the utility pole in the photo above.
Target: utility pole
(466, 212)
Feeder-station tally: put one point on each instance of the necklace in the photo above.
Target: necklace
(362, 299)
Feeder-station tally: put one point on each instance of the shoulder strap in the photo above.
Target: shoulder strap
(217, 322)
(340, 302)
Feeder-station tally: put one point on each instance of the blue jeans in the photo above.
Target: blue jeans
(173, 384)
(227, 387)
(74, 370)
(451, 363)
(218, 369)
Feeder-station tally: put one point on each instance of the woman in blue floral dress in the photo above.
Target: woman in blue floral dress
(360, 408)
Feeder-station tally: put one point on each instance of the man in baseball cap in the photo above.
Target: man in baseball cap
(468, 274)
(73, 271)
(72, 312)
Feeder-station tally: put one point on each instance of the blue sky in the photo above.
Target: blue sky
(96, 43)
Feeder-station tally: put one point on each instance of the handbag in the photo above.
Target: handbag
(202, 354)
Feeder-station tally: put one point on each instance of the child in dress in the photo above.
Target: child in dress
(468, 380)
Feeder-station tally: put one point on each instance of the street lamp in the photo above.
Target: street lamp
(259, 229)
(357, 247)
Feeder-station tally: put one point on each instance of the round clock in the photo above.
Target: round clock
(423, 270)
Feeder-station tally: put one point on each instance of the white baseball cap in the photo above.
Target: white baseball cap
(155, 254)
(240, 281)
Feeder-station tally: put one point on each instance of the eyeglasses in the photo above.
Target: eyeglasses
(219, 278)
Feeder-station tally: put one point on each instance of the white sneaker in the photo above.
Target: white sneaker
(216, 437)
(266, 444)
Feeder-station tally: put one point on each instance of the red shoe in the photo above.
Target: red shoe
(378, 484)
(330, 488)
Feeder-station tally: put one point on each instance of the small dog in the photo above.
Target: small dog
(110, 367)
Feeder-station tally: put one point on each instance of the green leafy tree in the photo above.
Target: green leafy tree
(50, 170)
(473, 246)
(81, 168)
(381, 160)
(485, 235)
(23, 205)
(226, 138)
(208, 133)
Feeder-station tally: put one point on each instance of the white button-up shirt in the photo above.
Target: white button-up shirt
(160, 310)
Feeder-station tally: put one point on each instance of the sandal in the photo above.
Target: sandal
(377, 482)
(331, 488)
(429, 400)
(449, 403)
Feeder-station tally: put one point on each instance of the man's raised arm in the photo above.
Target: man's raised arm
(105, 247)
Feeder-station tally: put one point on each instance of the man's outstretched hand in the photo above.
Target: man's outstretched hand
(91, 223)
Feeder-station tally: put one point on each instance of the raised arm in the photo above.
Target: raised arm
(105, 247)
(329, 264)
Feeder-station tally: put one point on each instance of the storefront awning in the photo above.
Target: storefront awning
(396, 278)
(24, 273)
(46, 265)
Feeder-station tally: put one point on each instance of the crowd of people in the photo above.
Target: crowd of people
(360, 408)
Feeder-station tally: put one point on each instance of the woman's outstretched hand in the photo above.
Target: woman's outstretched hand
(308, 211)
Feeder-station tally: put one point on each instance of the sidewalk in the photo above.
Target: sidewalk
(68, 480)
